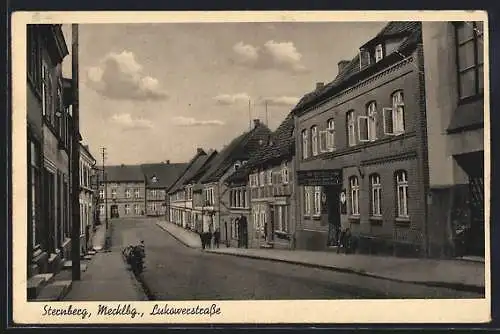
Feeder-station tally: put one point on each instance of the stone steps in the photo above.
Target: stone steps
(55, 291)
(36, 284)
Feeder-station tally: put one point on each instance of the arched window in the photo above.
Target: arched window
(330, 135)
(314, 140)
(350, 121)
(398, 105)
(402, 193)
(375, 195)
(305, 144)
(354, 190)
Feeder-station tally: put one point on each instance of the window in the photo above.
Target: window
(307, 201)
(101, 194)
(137, 209)
(394, 118)
(314, 140)
(282, 213)
(209, 196)
(137, 193)
(379, 53)
(330, 135)
(153, 193)
(45, 89)
(128, 193)
(101, 209)
(262, 180)
(33, 190)
(317, 201)
(402, 193)
(354, 188)
(376, 195)
(305, 145)
(270, 177)
(284, 174)
(127, 209)
(254, 180)
(469, 36)
(351, 137)
(113, 193)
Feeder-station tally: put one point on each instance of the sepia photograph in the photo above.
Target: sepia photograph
(190, 163)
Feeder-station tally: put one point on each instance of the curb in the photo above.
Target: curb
(138, 283)
(177, 238)
(453, 286)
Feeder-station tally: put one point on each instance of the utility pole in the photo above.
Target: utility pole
(266, 115)
(75, 170)
(249, 114)
(103, 149)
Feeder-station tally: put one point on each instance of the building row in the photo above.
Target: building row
(391, 149)
(50, 100)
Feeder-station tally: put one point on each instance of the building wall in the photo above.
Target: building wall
(384, 156)
(120, 200)
(86, 200)
(449, 182)
(155, 201)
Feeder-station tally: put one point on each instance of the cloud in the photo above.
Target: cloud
(190, 121)
(119, 76)
(128, 123)
(227, 99)
(272, 55)
(281, 101)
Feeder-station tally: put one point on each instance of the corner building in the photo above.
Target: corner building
(362, 150)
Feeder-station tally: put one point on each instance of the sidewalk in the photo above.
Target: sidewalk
(454, 274)
(106, 278)
(188, 238)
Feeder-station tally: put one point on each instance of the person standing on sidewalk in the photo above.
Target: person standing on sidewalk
(216, 237)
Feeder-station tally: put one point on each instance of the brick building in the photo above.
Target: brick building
(125, 189)
(361, 149)
(160, 177)
(48, 147)
(271, 190)
(454, 80)
(212, 185)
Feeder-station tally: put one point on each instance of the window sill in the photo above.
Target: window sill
(354, 219)
(402, 221)
(376, 220)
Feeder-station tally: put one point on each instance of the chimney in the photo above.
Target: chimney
(256, 122)
(319, 85)
(199, 150)
(342, 64)
(167, 162)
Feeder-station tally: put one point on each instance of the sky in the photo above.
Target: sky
(156, 92)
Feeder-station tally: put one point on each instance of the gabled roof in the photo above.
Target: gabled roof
(353, 73)
(195, 165)
(165, 174)
(239, 149)
(124, 173)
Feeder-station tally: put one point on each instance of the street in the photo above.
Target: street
(176, 272)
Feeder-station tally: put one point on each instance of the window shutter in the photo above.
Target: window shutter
(322, 141)
(363, 128)
(388, 121)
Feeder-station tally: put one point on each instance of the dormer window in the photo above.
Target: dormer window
(379, 53)
(237, 165)
(154, 179)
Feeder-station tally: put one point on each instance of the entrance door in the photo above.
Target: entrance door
(333, 210)
(114, 211)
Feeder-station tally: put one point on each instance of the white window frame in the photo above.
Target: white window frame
(127, 209)
(379, 53)
(398, 114)
(307, 201)
(284, 174)
(101, 209)
(262, 178)
(317, 201)
(385, 112)
(371, 112)
(270, 177)
(363, 137)
(127, 193)
(113, 192)
(137, 209)
(330, 136)
(305, 144)
(351, 128)
(376, 193)
(314, 140)
(402, 189)
(101, 194)
(354, 192)
(137, 193)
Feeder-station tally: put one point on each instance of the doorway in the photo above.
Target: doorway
(333, 212)
(114, 211)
